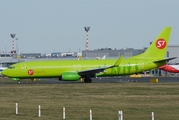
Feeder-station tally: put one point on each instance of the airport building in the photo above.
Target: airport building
(30, 55)
(6, 59)
(109, 53)
(173, 51)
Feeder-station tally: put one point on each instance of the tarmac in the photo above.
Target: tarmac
(95, 80)
(116, 80)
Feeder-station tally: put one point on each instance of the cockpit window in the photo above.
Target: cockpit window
(11, 67)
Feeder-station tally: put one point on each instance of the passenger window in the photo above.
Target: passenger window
(11, 67)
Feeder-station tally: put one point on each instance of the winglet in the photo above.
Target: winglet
(117, 62)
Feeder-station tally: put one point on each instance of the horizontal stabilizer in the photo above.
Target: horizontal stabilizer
(166, 59)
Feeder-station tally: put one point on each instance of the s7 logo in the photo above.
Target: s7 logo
(161, 43)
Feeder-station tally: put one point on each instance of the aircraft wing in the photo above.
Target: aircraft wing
(166, 59)
(97, 70)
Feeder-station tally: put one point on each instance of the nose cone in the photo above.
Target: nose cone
(4, 73)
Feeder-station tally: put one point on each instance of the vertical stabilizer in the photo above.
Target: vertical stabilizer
(159, 46)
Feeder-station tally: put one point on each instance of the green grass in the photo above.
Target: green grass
(136, 100)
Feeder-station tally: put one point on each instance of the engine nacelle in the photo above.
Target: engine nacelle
(15, 79)
(70, 76)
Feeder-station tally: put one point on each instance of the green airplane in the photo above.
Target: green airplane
(73, 70)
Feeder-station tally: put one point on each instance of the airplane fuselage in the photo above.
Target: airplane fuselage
(55, 68)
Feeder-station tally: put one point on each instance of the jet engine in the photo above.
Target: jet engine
(70, 76)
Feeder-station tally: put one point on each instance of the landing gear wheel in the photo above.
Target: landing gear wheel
(18, 82)
(87, 80)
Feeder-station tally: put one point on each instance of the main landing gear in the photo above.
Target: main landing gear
(87, 80)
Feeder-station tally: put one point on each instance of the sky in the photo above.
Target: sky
(45, 26)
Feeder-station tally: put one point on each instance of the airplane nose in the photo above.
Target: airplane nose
(4, 72)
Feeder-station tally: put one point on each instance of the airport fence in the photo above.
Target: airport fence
(120, 113)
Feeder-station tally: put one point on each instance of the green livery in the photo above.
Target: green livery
(71, 70)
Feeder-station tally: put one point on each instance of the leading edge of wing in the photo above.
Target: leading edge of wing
(97, 70)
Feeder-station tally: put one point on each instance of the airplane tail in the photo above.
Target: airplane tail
(98, 58)
(158, 47)
(104, 57)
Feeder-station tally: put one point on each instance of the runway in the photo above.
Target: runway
(115, 80)
(94, 80)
